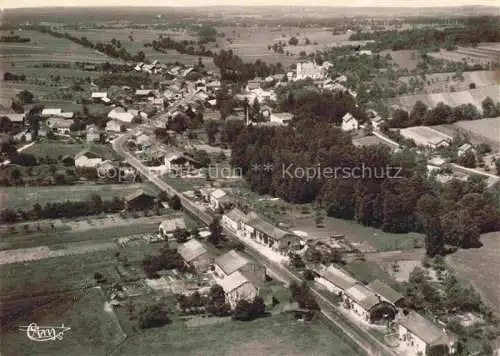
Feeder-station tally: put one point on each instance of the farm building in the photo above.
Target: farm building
(233, 219)
(51, 112)
(366, 305)
(426, 136)
(144, 93)
(418, 336)
(98, 96)
(335, 280)
(464, 148)
(385, 292)
(88, 159)
(194, 255)
(349, 123)
(121, 115)
(140, 200)
(169, 226)
(282, 117)
(231, 262)
(271, 236)
(237, 287)
(113, 125)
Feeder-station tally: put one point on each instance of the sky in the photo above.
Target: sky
(156, 3)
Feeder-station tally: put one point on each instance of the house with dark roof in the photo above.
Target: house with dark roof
(386, 292)
(233, 219)
(368, 306)
(140, 200)
(420, 336)
(232, 261)
(170, 225)
(194, 255)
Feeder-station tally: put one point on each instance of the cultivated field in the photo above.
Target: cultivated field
(487, 128)
(484, 53)
(251, 43)
(22, 197)
(141, 37)
(480, 267)
(474, 97)
(277, 335)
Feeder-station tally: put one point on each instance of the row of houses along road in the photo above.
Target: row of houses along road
(366, 341)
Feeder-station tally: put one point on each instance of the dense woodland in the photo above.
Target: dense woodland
(454, 214)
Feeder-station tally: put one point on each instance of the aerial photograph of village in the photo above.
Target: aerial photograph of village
(250, 179)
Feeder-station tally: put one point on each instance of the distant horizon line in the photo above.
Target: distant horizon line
(254, 6)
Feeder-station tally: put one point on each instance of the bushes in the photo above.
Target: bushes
(246, 311)
(153, 316)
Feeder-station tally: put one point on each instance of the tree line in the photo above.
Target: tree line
(109, 49)
(184, 46)
(14, 39)
(442, 114)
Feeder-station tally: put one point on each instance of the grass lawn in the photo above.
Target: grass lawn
(369, 271)
(182, 184)
(277, 335)
(54, 149)
(22, 197)
(94, 331)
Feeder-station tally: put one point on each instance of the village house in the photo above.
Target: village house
(144, 93)
(140, 200)
(253, 84)
(232, 261)
(419, 336)
(218, 199)
(16, 121)
(194, 255)
(113, 126)
(281, 118)
(180, 163)
(50, 112)
(93, 134)
(464, 149)
(335, 280)
(271, 236)
(368, 306)
(349, 123)
(121, 115)
(237, 287)
(233, 219)
(167, 227)
(386, 292)
(97, 97)
(88, 159)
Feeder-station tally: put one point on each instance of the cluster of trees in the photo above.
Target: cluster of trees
(134, 79)
(474, 31)
(247, 311)
(184, 46)
(168, 259)
(440, 115)
(14, 38)
(153, 316)
(69, 209)
(216, 302)
(8, 76)
(206, 33)
(302, 295)
(101, 67)
(234, 69)
(193, 303)
(399, 198)
(448, 296)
